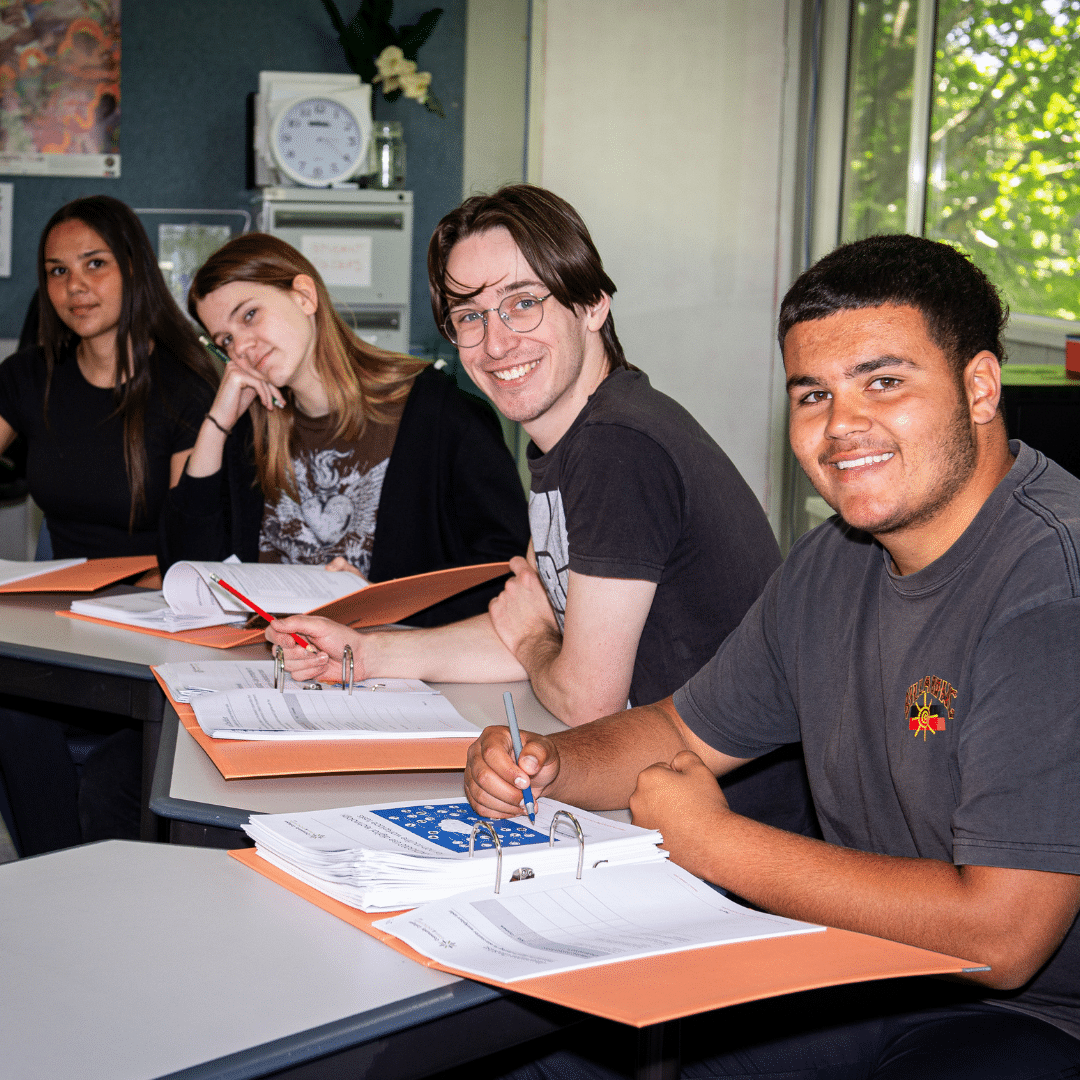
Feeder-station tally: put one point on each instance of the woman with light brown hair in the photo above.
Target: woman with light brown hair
(319, 447)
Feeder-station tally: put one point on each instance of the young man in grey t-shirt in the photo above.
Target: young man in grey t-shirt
(922, 644)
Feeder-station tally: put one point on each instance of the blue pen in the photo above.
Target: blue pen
(515, 735)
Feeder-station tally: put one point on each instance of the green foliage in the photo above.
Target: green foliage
(1004, 148)
(369, 32)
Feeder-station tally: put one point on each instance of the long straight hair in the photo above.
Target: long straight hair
(151, 326)
(363, 383)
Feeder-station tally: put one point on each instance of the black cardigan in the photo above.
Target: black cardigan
(451, 497)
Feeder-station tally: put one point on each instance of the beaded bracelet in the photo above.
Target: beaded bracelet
(224, 431)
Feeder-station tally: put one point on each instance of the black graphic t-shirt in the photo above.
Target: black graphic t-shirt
(340, 484)
(939, 712)
(637, 489)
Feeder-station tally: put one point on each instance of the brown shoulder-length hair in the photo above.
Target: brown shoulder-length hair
(151, 325)
(361, 381)
(550, 234)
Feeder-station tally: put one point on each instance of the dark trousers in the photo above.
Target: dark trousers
(911, 1029)
(51, 805)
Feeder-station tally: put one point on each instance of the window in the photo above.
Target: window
(969, 131)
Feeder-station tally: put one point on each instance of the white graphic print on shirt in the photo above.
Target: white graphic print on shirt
(547, 523)
(335, 515)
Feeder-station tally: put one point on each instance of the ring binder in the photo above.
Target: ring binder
(498, 849)
(580, 837)
(279, 669)
(347, 668)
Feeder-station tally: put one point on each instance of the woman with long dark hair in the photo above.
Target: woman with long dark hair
(110, 401)
(319, 447)
(111, 398)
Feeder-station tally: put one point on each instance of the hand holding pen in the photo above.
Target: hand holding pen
(515, 735)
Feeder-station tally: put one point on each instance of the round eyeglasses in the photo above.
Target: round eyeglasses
(520, 312)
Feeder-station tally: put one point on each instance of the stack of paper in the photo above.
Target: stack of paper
(398, 855)
(149, 609)
(189, 600)
(557, 923)
(187, 681)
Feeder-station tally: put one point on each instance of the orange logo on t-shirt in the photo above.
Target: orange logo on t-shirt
(929, 704)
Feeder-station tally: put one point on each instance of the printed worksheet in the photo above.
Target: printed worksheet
(551, 924)
(329, 714)
(189, 680)
(279, 588)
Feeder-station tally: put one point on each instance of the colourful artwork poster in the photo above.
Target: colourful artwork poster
(60, 87)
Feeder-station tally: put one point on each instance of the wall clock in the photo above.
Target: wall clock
(322, 139)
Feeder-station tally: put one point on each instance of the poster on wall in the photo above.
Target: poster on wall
(60, 87)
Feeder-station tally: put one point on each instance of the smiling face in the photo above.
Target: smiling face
(541, 378)
(880, 425)
(270, 330)
(83, 279)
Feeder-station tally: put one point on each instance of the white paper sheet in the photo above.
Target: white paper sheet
(14, 570)
(329, 714)
(551, 924)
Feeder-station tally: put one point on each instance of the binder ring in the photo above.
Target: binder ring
(580, 836)
(347, 668)
(279, 668)
(498, 848)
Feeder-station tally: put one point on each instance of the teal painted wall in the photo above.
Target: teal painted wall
(186, 71)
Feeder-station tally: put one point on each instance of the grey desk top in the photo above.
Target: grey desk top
(124, 961)
(188, 787)
(30, 630)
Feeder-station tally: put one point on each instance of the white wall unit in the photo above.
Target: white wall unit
(361, 244)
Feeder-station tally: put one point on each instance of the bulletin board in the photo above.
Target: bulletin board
(60, 87)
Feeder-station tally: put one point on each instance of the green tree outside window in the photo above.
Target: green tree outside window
(1004, 139)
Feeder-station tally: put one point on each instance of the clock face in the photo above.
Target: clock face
(318, 141)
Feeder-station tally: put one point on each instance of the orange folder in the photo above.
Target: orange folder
(84, 577)
(248, 759)
(659, 988)
(377, 605)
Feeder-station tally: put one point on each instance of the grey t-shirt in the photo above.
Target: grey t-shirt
(939, 712)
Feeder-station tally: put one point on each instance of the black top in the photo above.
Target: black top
(75, 461)
(451, 497)
(637, 489)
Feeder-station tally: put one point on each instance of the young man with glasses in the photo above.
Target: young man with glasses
(647, 545)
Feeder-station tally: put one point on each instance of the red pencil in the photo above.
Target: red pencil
(258, 610)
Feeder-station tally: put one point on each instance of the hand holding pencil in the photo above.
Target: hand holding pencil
(328, 640)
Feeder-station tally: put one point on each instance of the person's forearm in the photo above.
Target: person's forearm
(923, 902)
(575, 696)
(206, 457)
(466, 651)
(600, 761)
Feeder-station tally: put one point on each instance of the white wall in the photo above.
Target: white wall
(664, 125)
(496, 43)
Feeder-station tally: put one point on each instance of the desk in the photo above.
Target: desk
(190, 793)
(125, 961)
(72, 662)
